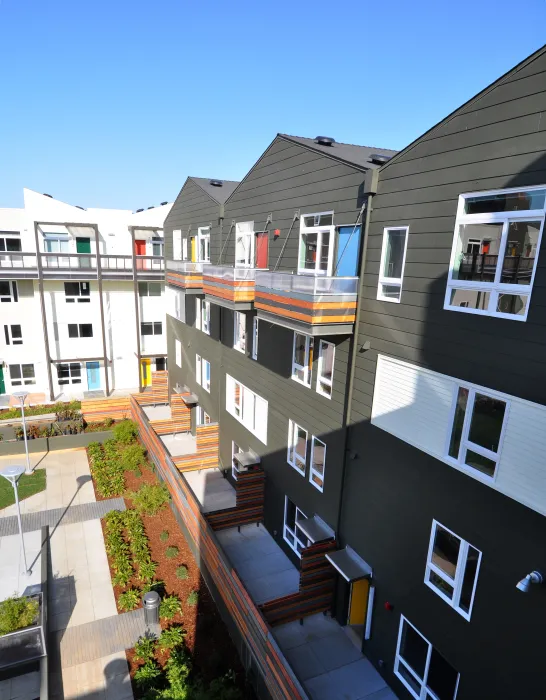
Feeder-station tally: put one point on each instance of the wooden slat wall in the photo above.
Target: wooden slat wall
(206, 456)
(249, 508)
(180, 413)
(100, 409)
(275, 670)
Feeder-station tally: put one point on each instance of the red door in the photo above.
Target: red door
(140, 247)
(262, 250)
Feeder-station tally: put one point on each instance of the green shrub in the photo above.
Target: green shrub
(129, 600)
(193, 598)
(171, 638)
(169, 607)
(145, 649)
(146, 676)
(132, 458)
(164, 536)
(125, 432)
(182, 572)
(106, 468)
(222, 688)
(149, 499)
(16, 613)
(158, 586)
(146, 570)
(177, 670)
(171, 552)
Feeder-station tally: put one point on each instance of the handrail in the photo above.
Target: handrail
(16, 259)
(68, 260)
(184, 266)
(231, 273)
(306, 284)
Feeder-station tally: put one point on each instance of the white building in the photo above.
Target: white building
(81, 298)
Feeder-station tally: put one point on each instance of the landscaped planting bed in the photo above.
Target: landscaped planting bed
(146, 549)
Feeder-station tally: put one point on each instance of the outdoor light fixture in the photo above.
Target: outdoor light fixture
(525, 584)
(21, 397)
(12, 473)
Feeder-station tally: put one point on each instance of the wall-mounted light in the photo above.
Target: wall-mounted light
(525, 584)
(277, 232)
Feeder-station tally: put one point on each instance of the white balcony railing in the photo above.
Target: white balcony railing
(306, 284)
(184, 266)
(234, 274)
(18, 261)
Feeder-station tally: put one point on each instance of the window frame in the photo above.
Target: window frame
(8, 334)
(178, 353)
(79, 327)
(154, 325)
(6, 236)
(205, 316)
(255, 334)
(308, 367)
(205, 370)
(22, 381)
(465, 443)
(291, 531)
(250, 252)
(80, 298)
(146, 286)
(391, 281)
(457, 581)
(239, 345)
(203, 236)
(198, 368)
(319, 230)
(185, 248)
(70, 380)
(314, 472)
(426, 693)
(242, 409)
(13, 295)
(295, 460)
(323, 380)
(234, 470)
(496, 287)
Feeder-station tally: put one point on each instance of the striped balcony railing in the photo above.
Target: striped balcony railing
(232, 287)
(186, 275)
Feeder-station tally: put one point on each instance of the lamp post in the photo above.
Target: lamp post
(12, 473)
(21, 396)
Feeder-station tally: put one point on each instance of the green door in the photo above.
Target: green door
(2, 385)
(83, 245)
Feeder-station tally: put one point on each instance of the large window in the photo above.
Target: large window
(10, 245)
(247, 407)
(203, 244)
(291, 531)
(239, 331)
(8, 291)
(151, 328)
(244, 244)
(69, 373)
(325, 376)
(58, 244)
(318, 463)
(297, 447)
(452, 569)
(80, 330)
(478, 421)
(495, 252)
(21, 375)
(391, 267)
(13, 335)
(424, 672)
(76, 291)
(149, 289)
(316, 244)
(302, 359)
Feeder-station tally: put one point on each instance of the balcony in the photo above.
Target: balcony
(232, 287)
(18, 265)
(311, 304)
(186, 275)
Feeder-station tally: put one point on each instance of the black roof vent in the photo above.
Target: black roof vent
(48, 195)
(216, 183)
(325, 140)
(139, 210)
(163, 203)
(151, 207)
(78, 207)
(379, 158)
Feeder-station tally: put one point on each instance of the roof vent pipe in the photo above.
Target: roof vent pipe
(216, 183)
(379, 158)
(163, 203)
(325, 140)
(139, 210)
(48, 195)
(151, 207)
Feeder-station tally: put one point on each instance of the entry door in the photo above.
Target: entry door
(140, 247)
(348, 246)
(146, 371)
(93, 375)
(262, 250)
(193, 249)
(83, 245)
(2, 384)
(358, 605)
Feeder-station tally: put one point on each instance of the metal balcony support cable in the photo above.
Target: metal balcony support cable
(295, 218)
(227, 239)
(357, 223)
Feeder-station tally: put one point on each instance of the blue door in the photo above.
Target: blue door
(348, 247)
(93, 376)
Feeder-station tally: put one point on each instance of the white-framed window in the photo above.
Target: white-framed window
(393, 259)
(202, 315)
(80, 330)
(177, 244)
(203, 244)
(202, 417)
(291, 531)
(8, 291)
(10, 244)
(318, 463)
(297, 447)
(198, 312)
(157, 247)
(69, 373)
(255, 332)
(452, 568)
(198, 369)
(22, 375)
(239, 331)
(13, 334)
(178, 352)
(302, 358)
(53, 244)
(247, 407)
(423, 670)
(316, 246)
(235, 450)
(478, 421)
(495, 252)
(205, 375)
(325, 376)
(184, 249)
(151, 328)
(244, 244)
(77, 291)
(149, 289)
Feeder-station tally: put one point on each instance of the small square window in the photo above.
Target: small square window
(22, 375)
(8, 292)
(13, 335)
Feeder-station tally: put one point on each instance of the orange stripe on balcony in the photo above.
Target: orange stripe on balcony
(279, 311)
(293, 301)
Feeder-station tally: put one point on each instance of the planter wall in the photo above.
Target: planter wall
(61, 442)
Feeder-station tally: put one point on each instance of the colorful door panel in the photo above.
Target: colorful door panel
(262, 250)
(358, 605)
(93, 375)
(2, 384)
(140, 247)
(146, 372)
(83, 245)
(348, 249)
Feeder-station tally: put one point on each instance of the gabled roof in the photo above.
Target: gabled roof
(219, 194)
(345, 152)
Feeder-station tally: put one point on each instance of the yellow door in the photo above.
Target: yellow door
(146, 371)
(358, 605)
(193, 249)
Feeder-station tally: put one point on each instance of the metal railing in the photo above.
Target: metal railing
(234, 274)
(72, 261)
(306, 284)
(185, 267)
(149, 263)
(116, 263)
(18, 261)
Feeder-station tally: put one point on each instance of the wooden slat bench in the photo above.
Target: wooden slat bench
(95, 410)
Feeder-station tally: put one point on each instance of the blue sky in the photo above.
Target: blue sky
(114, 102)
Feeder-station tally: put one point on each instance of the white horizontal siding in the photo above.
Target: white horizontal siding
(415, 405)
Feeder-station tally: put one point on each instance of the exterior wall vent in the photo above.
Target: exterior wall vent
(379, 159)
(216, 183)
(325, 140)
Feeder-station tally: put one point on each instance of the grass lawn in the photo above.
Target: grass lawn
(29, 484)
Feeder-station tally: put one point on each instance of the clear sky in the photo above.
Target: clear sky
(114, 102)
